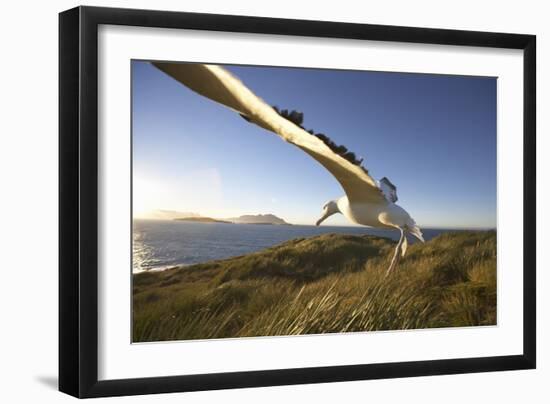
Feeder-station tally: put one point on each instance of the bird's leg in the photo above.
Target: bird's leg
(396, 253)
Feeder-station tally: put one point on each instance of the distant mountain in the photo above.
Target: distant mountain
(258, 219)
(202, 219)
(161, 214)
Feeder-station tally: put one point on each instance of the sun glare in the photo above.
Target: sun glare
(143, 191)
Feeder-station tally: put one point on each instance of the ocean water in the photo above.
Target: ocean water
(159, 244)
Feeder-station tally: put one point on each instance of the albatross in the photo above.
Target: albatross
(367, 201)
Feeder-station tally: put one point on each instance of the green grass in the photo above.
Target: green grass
(325, 284)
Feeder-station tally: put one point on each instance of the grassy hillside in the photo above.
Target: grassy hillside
(324, 284)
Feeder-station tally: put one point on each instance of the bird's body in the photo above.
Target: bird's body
(379, 215)
(367, 202)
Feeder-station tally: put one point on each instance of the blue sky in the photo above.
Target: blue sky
(433, 136)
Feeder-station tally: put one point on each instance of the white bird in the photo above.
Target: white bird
(366, 201)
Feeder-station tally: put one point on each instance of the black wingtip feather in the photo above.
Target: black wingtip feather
(297, 118)
(247, 119)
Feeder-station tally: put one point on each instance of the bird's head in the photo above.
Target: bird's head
(330, 208)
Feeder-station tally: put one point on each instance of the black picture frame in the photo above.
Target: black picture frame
(78, 201)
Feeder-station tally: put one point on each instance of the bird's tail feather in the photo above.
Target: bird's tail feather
(413, 229)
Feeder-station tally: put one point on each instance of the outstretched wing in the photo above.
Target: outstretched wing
(219, 85)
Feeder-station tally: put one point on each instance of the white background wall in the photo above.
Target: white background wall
(28, 203)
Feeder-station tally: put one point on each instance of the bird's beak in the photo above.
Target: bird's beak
(325, 215)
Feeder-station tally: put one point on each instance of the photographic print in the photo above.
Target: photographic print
(279, 201)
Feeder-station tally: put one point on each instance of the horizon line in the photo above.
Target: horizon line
(430, 227)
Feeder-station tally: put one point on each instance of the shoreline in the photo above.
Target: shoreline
(162, 268)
